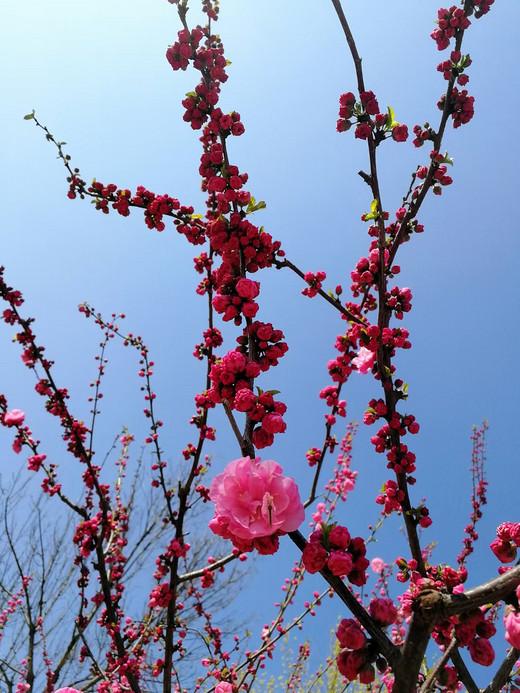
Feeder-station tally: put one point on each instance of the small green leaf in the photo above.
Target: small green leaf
(447, 159)
(29, 116)
(254, 206)
(374, 214)
(392, 121)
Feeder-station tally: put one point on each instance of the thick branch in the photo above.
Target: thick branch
(439, 665)
(503, 673)
(490, 592)
(462, 670)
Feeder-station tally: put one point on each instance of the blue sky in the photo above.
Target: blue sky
(96, 75)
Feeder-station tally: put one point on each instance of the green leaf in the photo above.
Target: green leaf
(29, 116)
(447, 160)
(374, 214)
(254, 206)
(392, 121)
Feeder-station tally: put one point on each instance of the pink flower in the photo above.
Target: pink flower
(15, 417)
(340, 563)
(512, 624)
(481, 651)
(350, 663)
(364, 361)
(383, 611)
(68, 690)
(339, 538)
(363, 131)
(273, 423)
(314, 556)
(245, 400)
(253, 500)
(349, 634)
(261, 438)
(505, 551)
(377, 565)
(247, 288)
(400, 133)
(224, 687)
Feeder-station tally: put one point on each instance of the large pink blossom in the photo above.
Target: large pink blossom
(68, 690)
(253, 500)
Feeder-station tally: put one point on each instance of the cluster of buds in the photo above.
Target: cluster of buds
(454, 67)
(449, 21)
(268, 344)
(333, 547)
(315, 283)
(264, 410)
(236, 299)
(369, 119)
(461, 106)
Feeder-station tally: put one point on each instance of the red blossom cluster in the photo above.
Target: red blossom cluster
(449, 21)
(357, 653)
(333, 547)
(461, 106)
(369, 119)
(454, 67)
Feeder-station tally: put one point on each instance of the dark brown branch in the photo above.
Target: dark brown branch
(490, 592)
(434, 673)
(462, 670)
(503, 673)
(336, 303)
(351, 44)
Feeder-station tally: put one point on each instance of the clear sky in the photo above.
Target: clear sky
(97, 77)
